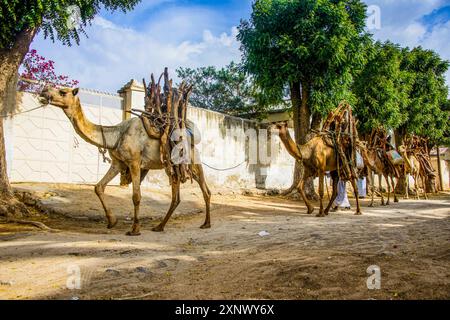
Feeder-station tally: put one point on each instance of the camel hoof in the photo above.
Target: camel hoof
(370, 205)
(158, 229)
(358, 213)
(310, 211)
(112, 222)
(396, 200)
(133, 233)
(205, 226)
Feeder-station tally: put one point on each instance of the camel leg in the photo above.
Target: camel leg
(424, 181)
(371, 180)
(173, 205)
(335, 180)
(355, 191)
(416, 186)
(301, 190)
(135, 171)
(100, 191)
(386, 177)
(393, 189)
(321, 194)
(407, 186)
(380, 188)
(200, 178)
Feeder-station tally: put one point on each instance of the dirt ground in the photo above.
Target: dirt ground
(301, 257)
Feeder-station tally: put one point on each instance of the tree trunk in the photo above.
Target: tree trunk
(430, 180)
(296, 101)
(302, 125)
(439, 167)
(5, 187)
(316, 121)
(305, 129)
(10, 60)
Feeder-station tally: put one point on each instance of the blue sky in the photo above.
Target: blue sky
(174, 33)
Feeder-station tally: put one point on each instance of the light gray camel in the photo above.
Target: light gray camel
(130, 148)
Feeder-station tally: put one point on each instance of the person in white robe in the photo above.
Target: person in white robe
(341, 201)
(362, 188)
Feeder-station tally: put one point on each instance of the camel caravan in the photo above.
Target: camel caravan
(152, 140)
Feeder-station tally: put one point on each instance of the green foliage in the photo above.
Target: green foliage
(427, 110)
(228, 90)
(51, 17)
(318, 43)
(445, 140)
(382, 88)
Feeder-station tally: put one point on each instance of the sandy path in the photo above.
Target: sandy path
(304, 257)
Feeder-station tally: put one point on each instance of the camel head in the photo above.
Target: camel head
(280, 126)
(63, 98)
(362, 146)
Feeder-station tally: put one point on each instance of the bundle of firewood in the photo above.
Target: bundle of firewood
(418, 146)
(164, 117)
(340, 131)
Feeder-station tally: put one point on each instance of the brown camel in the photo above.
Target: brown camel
(130, 148)
(412, 167)
(375, 165)
(317, 157)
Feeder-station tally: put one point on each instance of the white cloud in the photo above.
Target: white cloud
(113, 54)
(438, 40)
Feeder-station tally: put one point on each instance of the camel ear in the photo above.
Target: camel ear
(75, 91)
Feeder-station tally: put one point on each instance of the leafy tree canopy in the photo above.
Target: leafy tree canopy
(317, 43)
(428, 99)
(229, 90)
(382, 88)
(51, 17)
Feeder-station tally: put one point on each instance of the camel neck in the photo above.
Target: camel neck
(100, 136)
(290, 144)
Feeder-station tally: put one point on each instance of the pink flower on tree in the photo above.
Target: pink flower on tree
(42, 73)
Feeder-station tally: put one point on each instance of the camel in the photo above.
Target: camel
(317, 157)
(412, 167)
(130, 148)
(376, 165)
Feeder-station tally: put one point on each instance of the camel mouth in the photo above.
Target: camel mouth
(45, 98)
(44, 101)
(279, 126)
